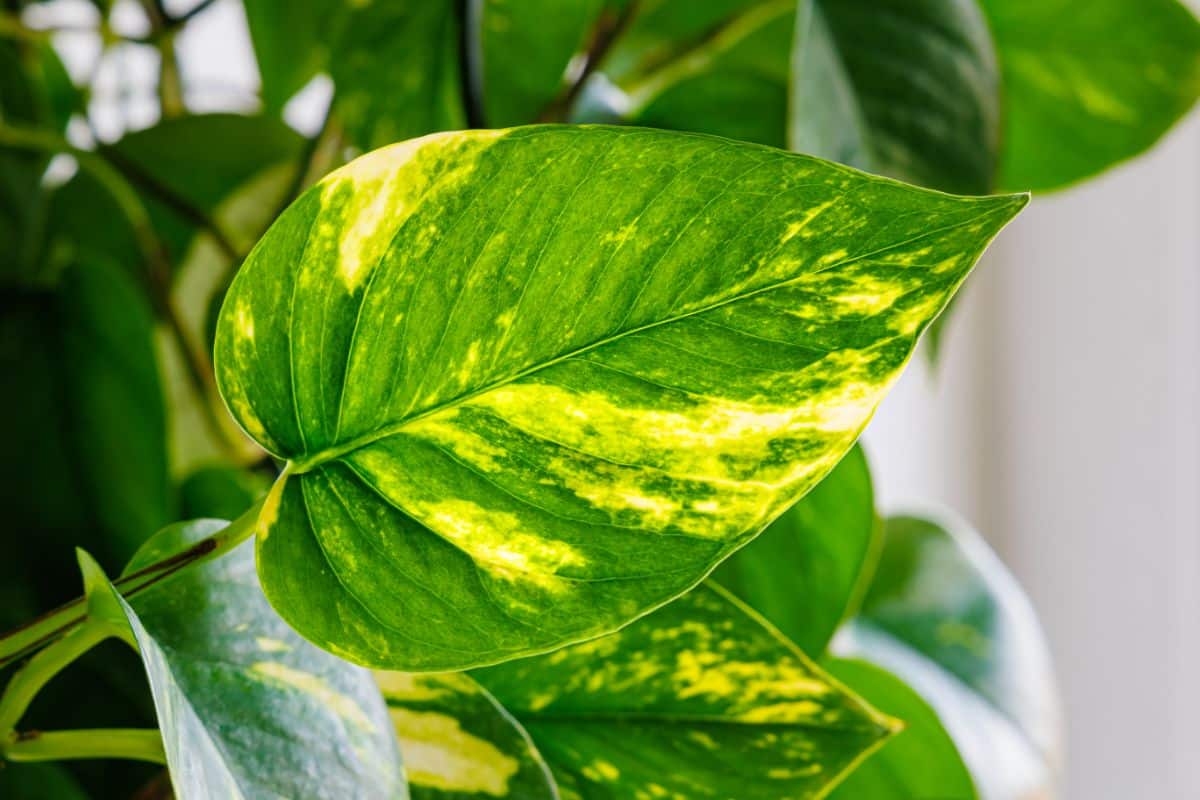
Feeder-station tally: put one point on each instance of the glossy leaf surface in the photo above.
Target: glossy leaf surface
(1089, 85)
(920, 761)
(700, 699)
(459, 743)
(944, 615)
(906, 88)
(247, 707)
(550, 423)
(803, 571)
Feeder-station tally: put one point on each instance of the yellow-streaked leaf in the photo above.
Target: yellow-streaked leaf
(459, 743)
(534, 383)
(700, 699)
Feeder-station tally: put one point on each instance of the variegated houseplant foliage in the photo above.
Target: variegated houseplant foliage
(545, 431)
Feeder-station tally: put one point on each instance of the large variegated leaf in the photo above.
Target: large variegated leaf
(701, 699)
(945, 615)
(459, 743)
(534, 383)
(805, 571)
(1087, 85)
(245, 705)
(919, 762)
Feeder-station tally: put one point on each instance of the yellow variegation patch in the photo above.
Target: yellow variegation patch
(531, 384)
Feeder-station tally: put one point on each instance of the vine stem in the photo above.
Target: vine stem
(604, 35)
(55, 625)
(157, 276)
(139, 744)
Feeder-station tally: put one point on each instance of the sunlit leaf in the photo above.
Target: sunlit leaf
(459, 743)
(920, 761)
(944, 615)
(803, 572)
(700, 699)
(1088, 85)
(550, 422)
(247, 708)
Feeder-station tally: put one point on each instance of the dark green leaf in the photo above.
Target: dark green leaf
(920, 762)
(246, 706)
(700, 699)
(945, 616)
(217, 492)
(526, 46)
(906, 88)
(554, 421)
(202, 159)
(1087, 85)
(291, 43)
(38, 782)
(396, 72)
(803, 571)
(459, 743)
(87, 419)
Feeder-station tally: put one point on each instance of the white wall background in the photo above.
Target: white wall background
(1064, 422)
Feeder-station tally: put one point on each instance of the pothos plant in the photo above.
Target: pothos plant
(544, 479)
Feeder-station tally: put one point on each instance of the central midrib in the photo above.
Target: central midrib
(301, 465)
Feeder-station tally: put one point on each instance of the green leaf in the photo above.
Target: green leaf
(719, 67)
(1089, 85)
(219, 492)
(291, 43)
(86, 415)
(903, 88)
(701, 699)
(38, 782)
(543, 380)
(246, 706)
(396, 72)
(526, 47)
(919, 762)
(459, 743)
(202, 159)
(803, 572)
(945, 616)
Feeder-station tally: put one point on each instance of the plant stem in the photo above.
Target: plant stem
(40, 669)
(157, 275)
(45, 629)
(470, 68)
(139, 744)
(605, 33)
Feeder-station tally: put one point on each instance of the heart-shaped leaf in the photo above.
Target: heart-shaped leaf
(803, 572)
(245, 705)
(944, 615)
(701, 699)
(458, 742)
(533, 383)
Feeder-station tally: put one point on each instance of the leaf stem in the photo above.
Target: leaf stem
(138, 744)
(49, 627)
